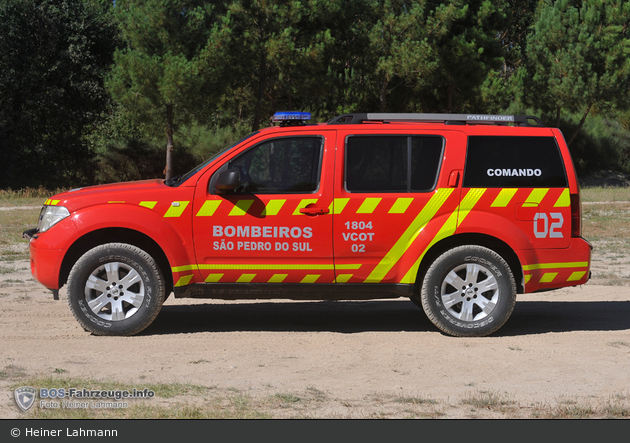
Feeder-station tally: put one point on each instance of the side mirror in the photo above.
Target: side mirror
(227, 181)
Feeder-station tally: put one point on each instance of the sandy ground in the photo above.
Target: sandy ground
(570, 346)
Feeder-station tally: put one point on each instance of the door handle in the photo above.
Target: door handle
(313, 210)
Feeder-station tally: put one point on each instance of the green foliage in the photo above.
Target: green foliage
(200, 75)
(53, 56)
(577, 57)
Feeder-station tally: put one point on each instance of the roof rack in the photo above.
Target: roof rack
(449, 119)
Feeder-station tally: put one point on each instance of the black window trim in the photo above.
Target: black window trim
(225, 166)
(409, 137)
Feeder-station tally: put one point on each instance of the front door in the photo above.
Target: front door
(276, 227)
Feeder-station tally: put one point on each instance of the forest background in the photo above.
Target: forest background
(100, 91)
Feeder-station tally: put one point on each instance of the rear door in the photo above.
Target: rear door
(391, 201)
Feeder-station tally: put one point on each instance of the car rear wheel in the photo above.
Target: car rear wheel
(469, 291)
(115, 289)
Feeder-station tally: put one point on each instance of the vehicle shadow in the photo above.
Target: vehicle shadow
(529, 317)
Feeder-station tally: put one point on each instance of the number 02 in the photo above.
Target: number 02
(542, 228)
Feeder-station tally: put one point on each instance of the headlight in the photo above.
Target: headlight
(50, 216)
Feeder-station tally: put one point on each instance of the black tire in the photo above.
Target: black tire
(115, 289)
(469, 291)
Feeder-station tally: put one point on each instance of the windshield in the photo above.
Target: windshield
(178, 180)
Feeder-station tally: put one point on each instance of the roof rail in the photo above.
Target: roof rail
(449, 119)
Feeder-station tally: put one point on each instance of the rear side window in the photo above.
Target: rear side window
(514, 162)
(392, 163)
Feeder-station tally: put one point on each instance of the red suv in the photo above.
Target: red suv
(460, 213)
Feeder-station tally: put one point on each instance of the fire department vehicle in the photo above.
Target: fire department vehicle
(459, 213)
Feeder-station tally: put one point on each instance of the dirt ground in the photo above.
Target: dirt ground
(570, 346)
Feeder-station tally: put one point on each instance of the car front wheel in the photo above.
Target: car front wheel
(115, 289)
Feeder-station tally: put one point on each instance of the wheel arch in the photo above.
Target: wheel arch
(116, 235)
(493, 243)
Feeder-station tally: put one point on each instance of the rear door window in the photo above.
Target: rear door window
(392, 163)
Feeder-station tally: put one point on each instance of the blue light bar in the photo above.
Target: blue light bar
(291, 116)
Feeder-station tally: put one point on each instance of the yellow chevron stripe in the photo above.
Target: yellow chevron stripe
(575, 276)
(343, 278)
(277, 278)
(548, 277)
(410, 234)
(241, 207)
(213, 278)
(208, 209)
(535, 197)
(184, 280)
(338, 205)
(310, 278)
(148, 204)
(400, 205)
(273, 207)
(448, 229)
(504, 198)
(564, 200)
(245, 278)
(176, 209)
(369, 205)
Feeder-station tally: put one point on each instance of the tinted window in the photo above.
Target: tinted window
(525, 162)
(283, 165)
(382, 163)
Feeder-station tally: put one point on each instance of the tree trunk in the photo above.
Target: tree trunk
(168, 171)
(383, 95)
(581, 124)
(558, 117)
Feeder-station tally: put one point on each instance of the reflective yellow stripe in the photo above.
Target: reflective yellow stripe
(303, 204)
(448, 229)
(184, 268)
(310, 278)
(277, 278)
(267, 267)
(245, 278)
(504, 198)
(176, 209)
(50, 202)
(468, 203)
(577, 275)
(369, 205)
(535, 197)
(213, 278)
(184, 280)
(241, 207)
(343, 278)
(527, 278)
(208, 208)
(581, 264)
(548, 277)
(338, 205)
(116, 201)
(148, 204)
(401, 205)
(410, 234)
(273, 207)
(564, 200)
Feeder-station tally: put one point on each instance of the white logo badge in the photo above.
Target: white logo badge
(25, 397)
